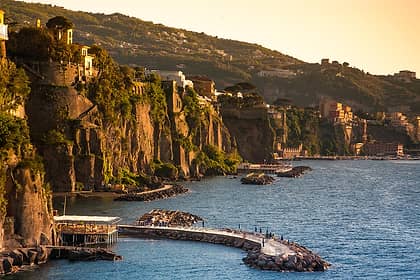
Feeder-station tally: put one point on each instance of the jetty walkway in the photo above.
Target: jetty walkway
(263, 253)
(271, 247)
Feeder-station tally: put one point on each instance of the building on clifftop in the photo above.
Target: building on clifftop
(3, 35)
(62, 29)
(204, 86)
(405, 76)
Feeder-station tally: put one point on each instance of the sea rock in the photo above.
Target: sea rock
(17, 257)
(33, 256)
(295, 172)
(6, 265)
(257, 179)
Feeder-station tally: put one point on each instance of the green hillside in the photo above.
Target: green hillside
(135, 42)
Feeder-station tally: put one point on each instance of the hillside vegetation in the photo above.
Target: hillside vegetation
(135, 42)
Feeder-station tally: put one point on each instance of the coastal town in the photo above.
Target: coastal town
(87, 143)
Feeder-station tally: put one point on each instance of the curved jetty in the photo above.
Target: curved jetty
(257, 179)
(295, 172)
(161, 193)
(263, 253)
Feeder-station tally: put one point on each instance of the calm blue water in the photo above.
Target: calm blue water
(362, 216)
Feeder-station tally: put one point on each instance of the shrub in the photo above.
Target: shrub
(165, 170)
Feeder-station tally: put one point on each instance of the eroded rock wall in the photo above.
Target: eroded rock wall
(26, 219)
(96, 149)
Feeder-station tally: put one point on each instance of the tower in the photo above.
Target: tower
(364, 128)
(62, 29)
(3, 35)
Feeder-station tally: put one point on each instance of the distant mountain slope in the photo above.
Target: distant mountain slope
(136, 42)
(133, 41)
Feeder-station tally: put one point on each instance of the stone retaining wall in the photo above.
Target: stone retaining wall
(232, 241)
(150, 196)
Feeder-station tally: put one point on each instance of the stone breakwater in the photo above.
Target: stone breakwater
(275, 255)
(301, 260)
(161, 193)
(295, 172)
(170, 218)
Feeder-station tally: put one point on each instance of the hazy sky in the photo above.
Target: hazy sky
(378, 36)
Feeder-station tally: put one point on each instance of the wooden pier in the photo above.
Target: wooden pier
(86, 230)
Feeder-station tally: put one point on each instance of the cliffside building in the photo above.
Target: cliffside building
(405, 76)
(204, 86)
(3, 36)
(383, 149)
(399, 121)
(63, 34)
(336, 112)
(85, 66)
(325, 61)
(277, 73)
(290, 153)
(176, 76)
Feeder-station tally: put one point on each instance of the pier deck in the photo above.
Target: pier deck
(222, 236)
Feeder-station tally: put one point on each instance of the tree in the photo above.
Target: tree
(32, 43)
(59, 22)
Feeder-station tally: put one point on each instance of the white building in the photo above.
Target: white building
(176, 76)
(278, 73)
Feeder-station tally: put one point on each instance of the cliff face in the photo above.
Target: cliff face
(27, 216)
(82, 148)
(25, 204)
(252, 132)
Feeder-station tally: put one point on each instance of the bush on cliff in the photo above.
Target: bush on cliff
(129, 178)
(38, 44)
(164, 170)
(156, 98)
(111, 90)
(14, 134)
(55, 138)
(303, 128)
(192, 109)
(14, 86)
(213, 161)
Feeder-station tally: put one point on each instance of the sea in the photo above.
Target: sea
(362, 216)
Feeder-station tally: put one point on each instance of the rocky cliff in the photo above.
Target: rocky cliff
(83, 147)
(252, 132)
(25, 202)
(28, 218)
